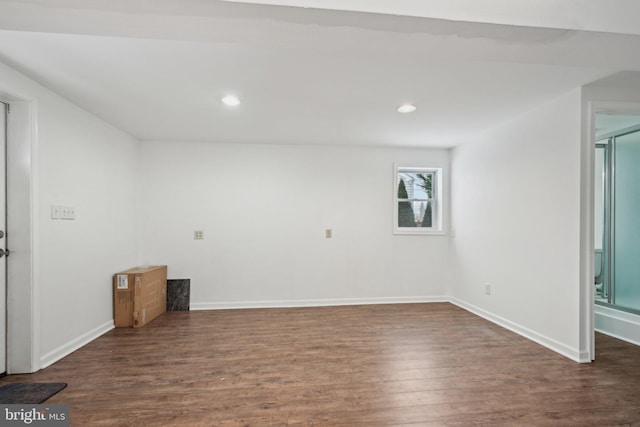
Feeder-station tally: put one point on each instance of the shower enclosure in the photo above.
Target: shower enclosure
(617, 220)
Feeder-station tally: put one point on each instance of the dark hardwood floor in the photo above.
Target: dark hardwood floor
(384, 365)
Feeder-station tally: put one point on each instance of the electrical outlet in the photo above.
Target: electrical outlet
(198, 235)
(487, 288)
(328, 233)
(67, 212)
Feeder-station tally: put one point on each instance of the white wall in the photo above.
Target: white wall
(80, 161)
(516, 215)
(264, 211)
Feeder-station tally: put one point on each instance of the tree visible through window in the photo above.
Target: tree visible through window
(416, 199)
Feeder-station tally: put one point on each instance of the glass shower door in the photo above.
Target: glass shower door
(625, 227)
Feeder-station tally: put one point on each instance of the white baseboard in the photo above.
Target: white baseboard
(618, 324)
(314, 302)
(68, 348)
(545, 341)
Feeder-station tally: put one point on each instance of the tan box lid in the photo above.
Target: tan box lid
(142, 269)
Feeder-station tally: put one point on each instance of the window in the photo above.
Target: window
(418, 204)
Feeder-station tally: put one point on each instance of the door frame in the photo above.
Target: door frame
(587, 206)
(23, 315)
(3, 238)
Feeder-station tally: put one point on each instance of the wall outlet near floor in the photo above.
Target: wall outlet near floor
(328, 233)
(487, 289)
(198, 235)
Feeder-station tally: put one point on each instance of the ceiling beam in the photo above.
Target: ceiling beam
(618, 17)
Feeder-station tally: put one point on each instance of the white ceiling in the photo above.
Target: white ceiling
(587, 15)
(304, 75)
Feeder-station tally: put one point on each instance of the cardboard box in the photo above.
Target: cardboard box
(139, 295)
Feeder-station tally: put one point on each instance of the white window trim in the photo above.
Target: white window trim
(438, 196)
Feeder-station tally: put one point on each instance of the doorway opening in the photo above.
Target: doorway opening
(617, 226)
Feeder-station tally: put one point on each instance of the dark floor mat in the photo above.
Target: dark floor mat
(26, 393)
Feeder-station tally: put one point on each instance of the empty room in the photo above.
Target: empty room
(370, 213)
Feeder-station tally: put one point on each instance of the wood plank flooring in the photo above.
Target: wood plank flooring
(379, 365)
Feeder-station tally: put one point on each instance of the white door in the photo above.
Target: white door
(3, 238)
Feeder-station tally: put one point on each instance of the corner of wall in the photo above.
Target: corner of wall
(545, 341)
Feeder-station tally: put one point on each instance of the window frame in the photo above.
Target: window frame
(437, 202)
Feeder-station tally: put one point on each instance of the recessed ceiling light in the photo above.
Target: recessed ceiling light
(231, 101)
(406, 108)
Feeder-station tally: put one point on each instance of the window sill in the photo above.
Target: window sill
(419, 233)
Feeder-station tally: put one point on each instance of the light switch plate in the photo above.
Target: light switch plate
(55, 211)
